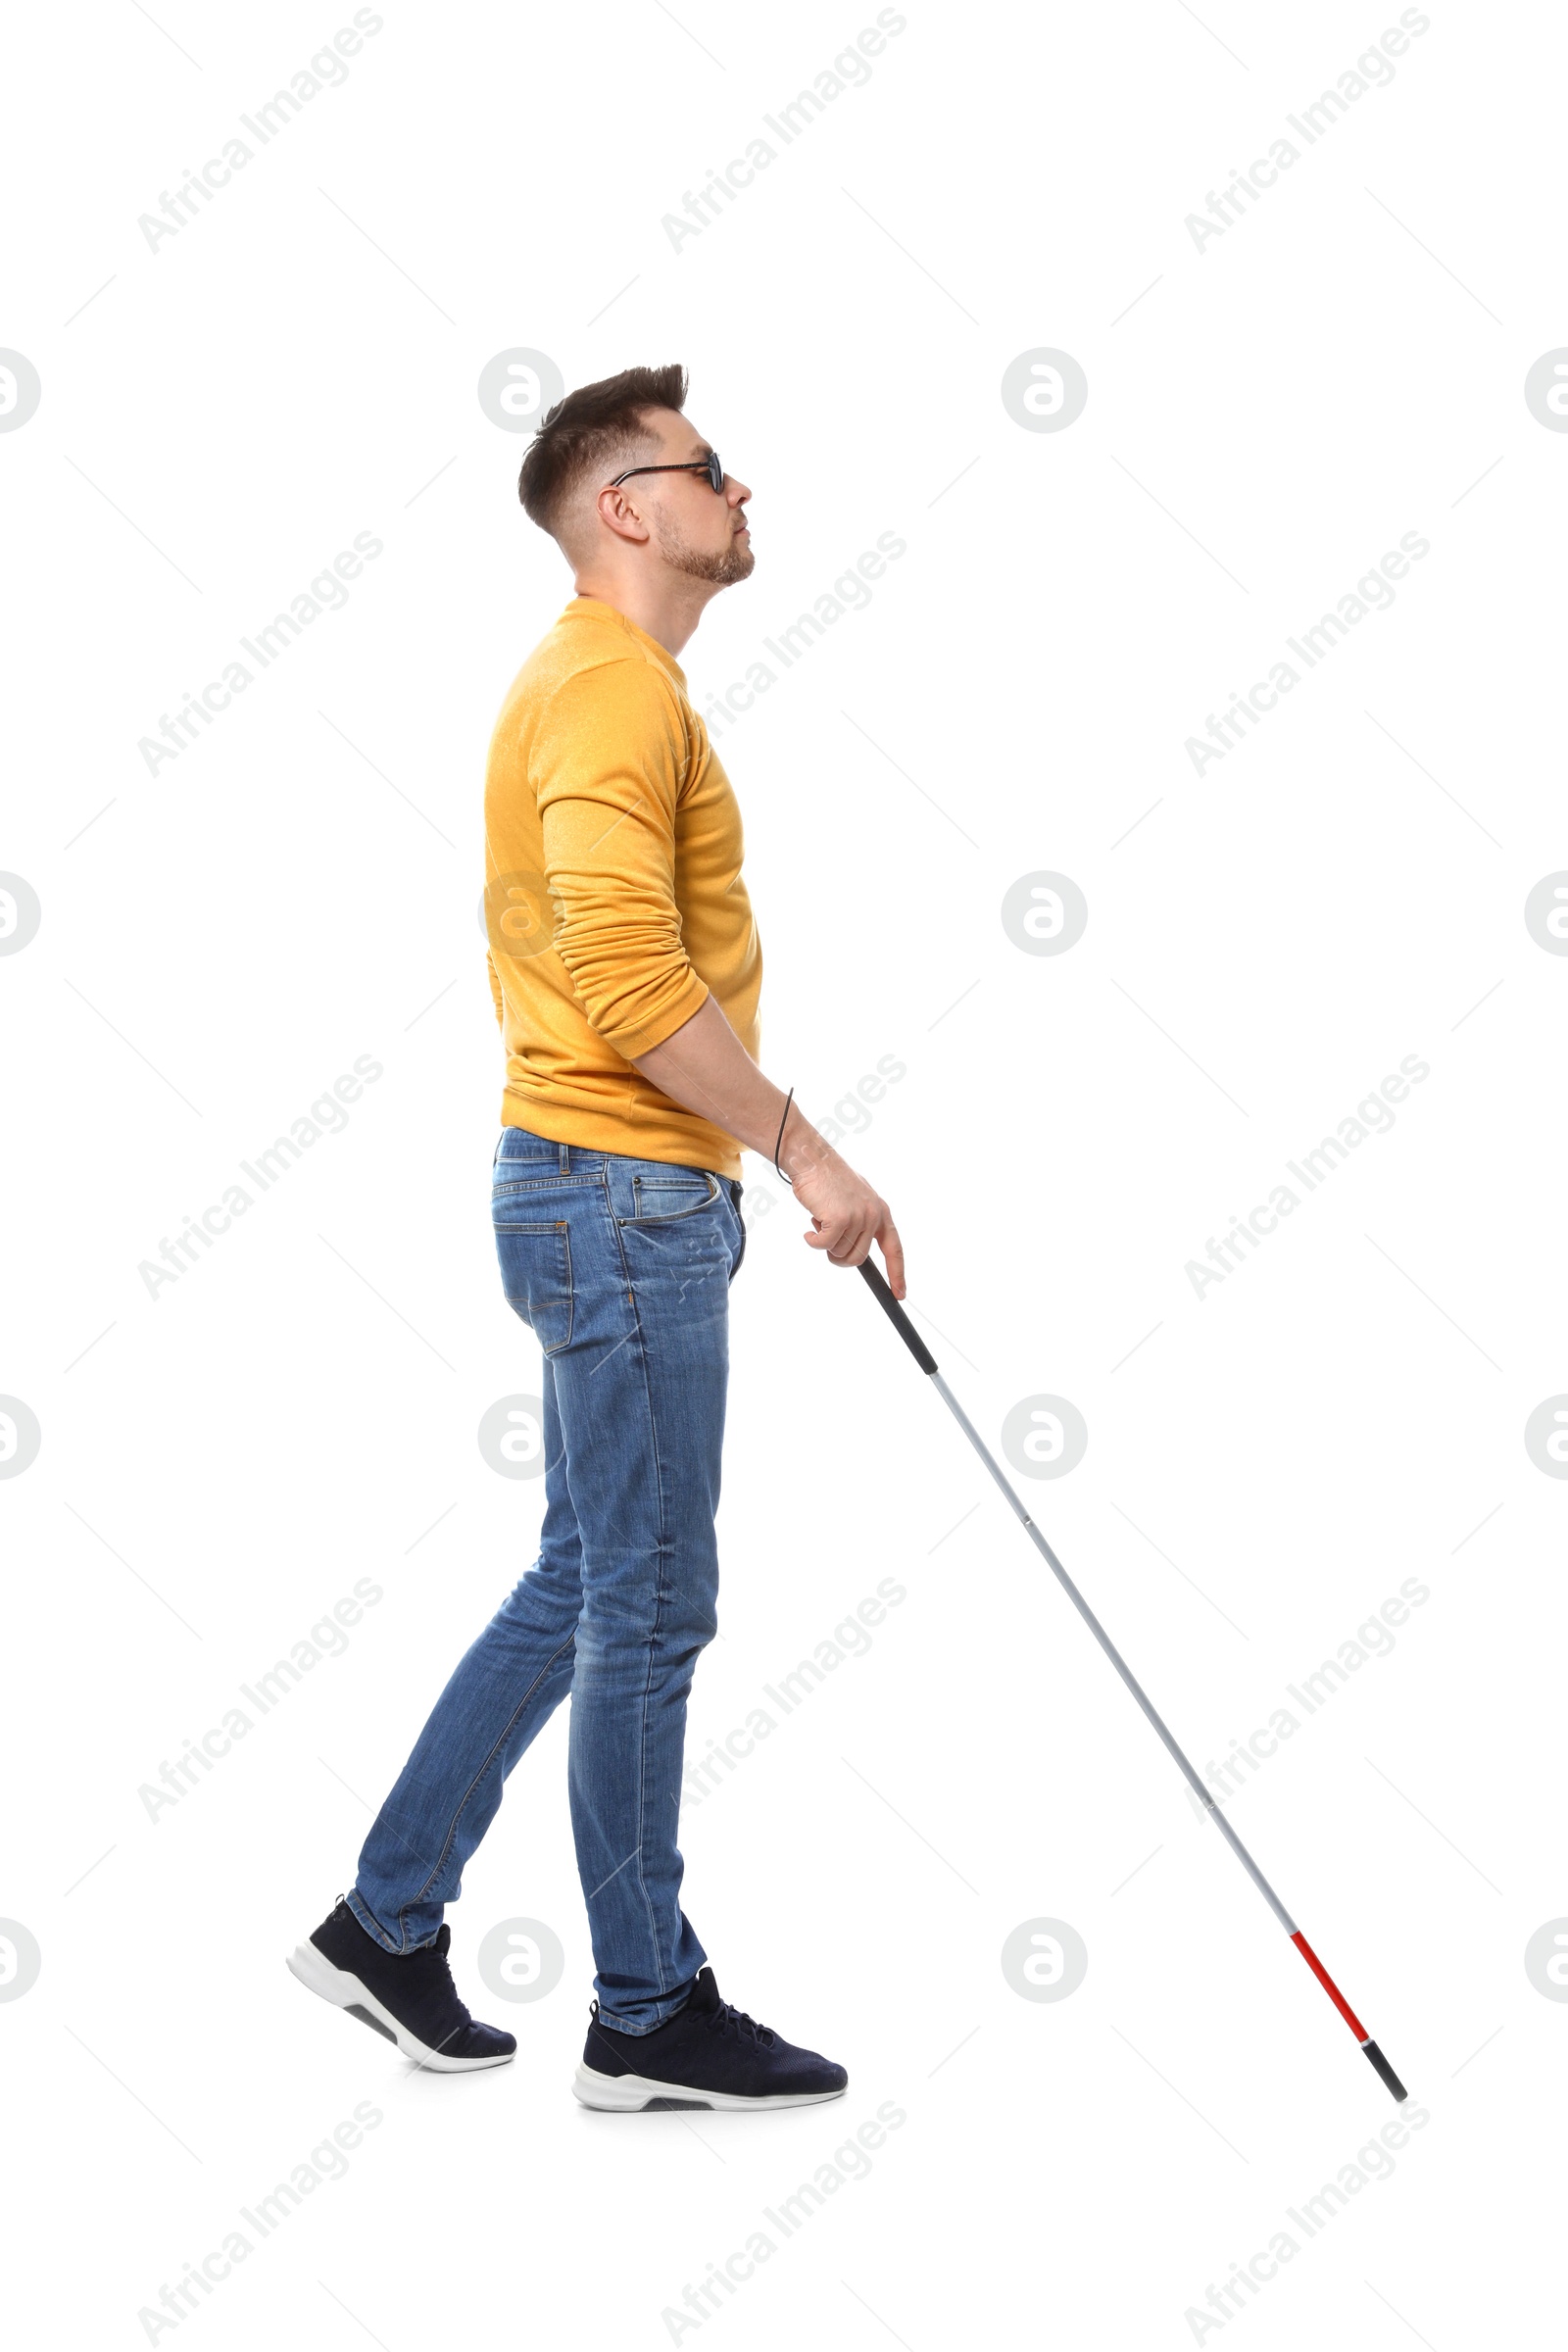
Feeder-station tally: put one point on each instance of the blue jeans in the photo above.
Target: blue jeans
(622, 1269)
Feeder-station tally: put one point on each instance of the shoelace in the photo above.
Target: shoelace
(726, 2018)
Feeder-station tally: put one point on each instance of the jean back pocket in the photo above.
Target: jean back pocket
(536, 1275)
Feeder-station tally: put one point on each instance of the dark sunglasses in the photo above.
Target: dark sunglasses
(710, 466)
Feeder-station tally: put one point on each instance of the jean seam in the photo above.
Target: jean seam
(659, 1589)
(553, 1183)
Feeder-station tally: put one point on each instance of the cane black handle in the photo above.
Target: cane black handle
(898, 1318)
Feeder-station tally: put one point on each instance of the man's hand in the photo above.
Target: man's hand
(704, 1066)
(848, 1215)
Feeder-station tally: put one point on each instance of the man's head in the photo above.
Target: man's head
(657, 522)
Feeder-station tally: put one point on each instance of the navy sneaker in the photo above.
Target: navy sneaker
(708, 2054)
(408, 1996)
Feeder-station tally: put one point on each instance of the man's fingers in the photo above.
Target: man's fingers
(845, 1244)
(834, 1239)
(856, 1245)
(849, 1240)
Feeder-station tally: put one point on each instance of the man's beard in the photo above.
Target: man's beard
(735, 564)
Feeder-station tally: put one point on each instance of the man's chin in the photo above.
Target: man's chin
(735, 564)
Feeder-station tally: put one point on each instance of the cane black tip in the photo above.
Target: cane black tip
(1385, 2071)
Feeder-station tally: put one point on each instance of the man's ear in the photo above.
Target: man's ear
(618, 512)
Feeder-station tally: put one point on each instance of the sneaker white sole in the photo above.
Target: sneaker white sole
(637, 2094)
(345, 1991)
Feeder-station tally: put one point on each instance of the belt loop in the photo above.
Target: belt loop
(565, 1159)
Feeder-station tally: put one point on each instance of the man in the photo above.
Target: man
(626, 972)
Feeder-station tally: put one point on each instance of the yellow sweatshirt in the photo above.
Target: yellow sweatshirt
(613, 898)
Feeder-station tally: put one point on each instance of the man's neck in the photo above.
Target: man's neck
(668, 608)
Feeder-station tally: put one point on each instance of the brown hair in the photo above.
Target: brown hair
(590, 425)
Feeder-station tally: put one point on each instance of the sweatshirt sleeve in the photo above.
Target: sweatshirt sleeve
(494, 988)
(609, 758)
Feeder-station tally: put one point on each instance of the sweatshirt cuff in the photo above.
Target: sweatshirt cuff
(672, 1014)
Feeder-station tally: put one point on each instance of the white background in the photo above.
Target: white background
(218, 1464)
